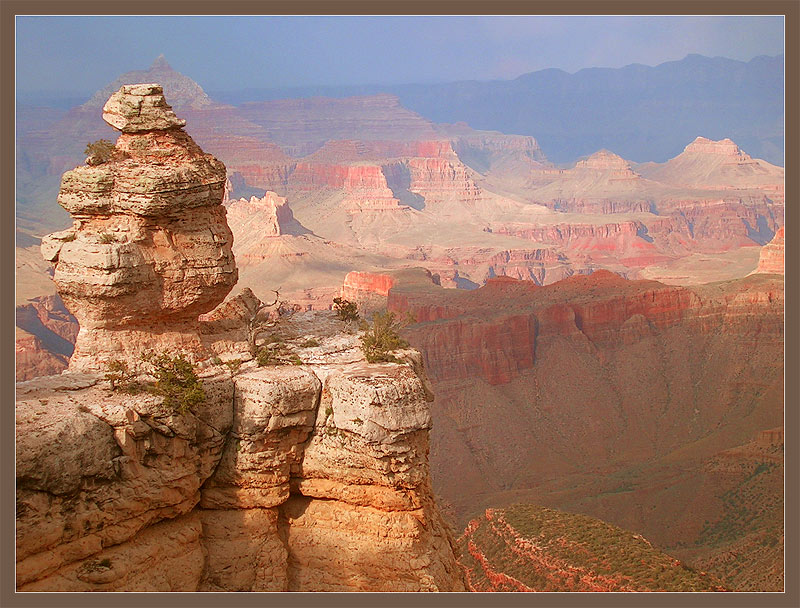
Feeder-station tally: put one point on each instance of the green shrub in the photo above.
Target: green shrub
(100, 151)
(106, 238)
(310, 343)
(346, 310)
(120, 377)
(381, 338)
(176, 381)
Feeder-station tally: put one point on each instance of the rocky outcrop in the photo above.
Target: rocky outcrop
(368, 289)
(771, 260)
(309, 477)
(306, 478)
(274, 215)
(136, 269)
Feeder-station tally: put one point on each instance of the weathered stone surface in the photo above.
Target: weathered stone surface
(94, 468)
(273, 416)
(340, 547)
(167, 556)
(140, 107)
(150, 249)
(245, 551)
(280, 476)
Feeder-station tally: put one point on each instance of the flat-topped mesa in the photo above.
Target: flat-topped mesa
(150, 248)
(605, 160)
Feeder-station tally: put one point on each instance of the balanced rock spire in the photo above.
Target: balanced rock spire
(150, 248)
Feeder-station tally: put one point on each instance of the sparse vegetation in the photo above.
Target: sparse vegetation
(380, 338)
(259, 322)
(121, 377)
(549, 550)
(310, 343)
(99, 152)
(176, 381)
(277, 354)
(346, 310)
(106, 238)
(70, 237)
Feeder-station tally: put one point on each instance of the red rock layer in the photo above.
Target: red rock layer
(483, 334)
(567, 553)
(359, 284)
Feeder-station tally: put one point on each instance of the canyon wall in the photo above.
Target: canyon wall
(601, 395)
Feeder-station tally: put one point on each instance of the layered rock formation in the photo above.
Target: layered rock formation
(708, 164)
(606, 395)
(309, 478)
(149, 249)
(46, 334)
(771, 260)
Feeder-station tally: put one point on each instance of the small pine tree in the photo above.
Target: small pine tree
(176, 381)
(346, 310)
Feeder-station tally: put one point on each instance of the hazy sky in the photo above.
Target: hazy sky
(226, 53)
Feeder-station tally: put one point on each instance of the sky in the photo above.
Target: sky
(227, 53)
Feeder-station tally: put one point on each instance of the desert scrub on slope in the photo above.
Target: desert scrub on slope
(99, 152)
(380, 338)
(277, 354)
(176, 381)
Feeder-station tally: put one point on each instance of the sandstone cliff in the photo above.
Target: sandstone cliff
(771, 260)
(306, 478)
(606, 396)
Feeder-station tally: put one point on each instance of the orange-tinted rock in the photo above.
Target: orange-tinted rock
(272, 212)
(771, 259)
(360, 285)
(150, 248)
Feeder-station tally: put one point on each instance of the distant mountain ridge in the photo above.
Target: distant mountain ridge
(181, 90)
(640, 112)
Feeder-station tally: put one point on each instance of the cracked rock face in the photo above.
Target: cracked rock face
(150, 248)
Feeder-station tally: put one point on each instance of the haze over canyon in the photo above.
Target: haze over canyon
(591, 393)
